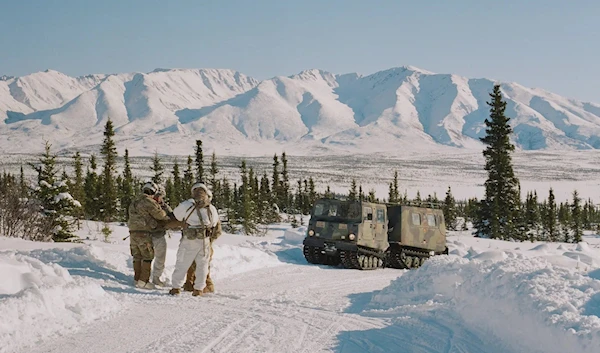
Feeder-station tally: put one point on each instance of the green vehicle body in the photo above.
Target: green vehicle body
(379, 234)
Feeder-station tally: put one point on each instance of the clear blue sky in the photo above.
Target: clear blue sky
(549, 44)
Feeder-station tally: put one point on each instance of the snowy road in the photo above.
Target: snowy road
(287, 308)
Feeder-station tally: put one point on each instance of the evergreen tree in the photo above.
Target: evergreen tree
(57, 204)
(299, 197)
(215, 184)
(285, 183)
(127, 188)
(312, 193)
(564, 222)
(497, 214)
(549, 223)
(371, 197)
(158, 169)
(247, 209)
(449, 210)
(352, 195)
(108, 197)
(276, 185)
(576, 224)
(90, 188)
(188, 180)
(23, 189)
(76, 187)
(328, 193)
(199, 162)
(175, 195)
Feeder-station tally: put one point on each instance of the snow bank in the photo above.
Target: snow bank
(295, 235)
(38, 300)
(527, 303)
(229, 260)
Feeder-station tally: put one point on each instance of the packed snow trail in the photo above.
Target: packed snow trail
(287, 308)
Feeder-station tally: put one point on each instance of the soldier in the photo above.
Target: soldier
(158, 240)
(144, 217)
(201, 225)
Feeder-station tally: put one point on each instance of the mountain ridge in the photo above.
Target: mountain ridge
(313, 111)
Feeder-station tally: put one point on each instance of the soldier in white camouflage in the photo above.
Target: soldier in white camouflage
(201, 224)
(145, 215)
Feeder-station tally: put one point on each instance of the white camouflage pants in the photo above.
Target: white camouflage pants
(160, 256)
(189, 251)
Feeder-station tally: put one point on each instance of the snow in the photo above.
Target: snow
(312, 112)
(485, 296)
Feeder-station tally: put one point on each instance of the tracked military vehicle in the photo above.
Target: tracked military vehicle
(367, 235)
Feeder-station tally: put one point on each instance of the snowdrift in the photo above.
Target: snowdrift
(38, 299)
(527, 303)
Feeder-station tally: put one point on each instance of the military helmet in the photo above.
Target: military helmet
(150, 188)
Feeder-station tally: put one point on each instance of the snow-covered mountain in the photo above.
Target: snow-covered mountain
(314, 111)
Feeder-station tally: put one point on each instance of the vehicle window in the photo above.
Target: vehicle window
(380, 216)
(416, 219)
(368, 213)
(318, 209)
(431, 220)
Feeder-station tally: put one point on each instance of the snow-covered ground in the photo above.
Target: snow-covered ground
(485, 296)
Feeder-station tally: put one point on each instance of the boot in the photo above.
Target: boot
(175, 291)
(196, 293)
(137, 269)
(190, 278)
(145, 272)
(210, 287)
(145, 285)
(158, 282)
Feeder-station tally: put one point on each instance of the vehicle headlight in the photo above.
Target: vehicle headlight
(311, 232)
(351, 236)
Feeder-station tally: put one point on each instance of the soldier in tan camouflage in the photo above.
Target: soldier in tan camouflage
(202, 225)
(145, 215)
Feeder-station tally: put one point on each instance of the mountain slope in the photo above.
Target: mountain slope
(400, 108)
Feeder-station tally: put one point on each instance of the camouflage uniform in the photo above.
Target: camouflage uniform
(202, 224)
(191, 277)
(144, 217)
(160, 247)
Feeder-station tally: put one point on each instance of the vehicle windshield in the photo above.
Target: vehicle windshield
(337, 209)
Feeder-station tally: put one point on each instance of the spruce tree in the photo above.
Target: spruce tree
(352, 194)
(328, 194)
(158, 169)
(312, 193)
(23, 189)
(199, 162)
(285, 183)
(188, 180)
(549, 223)
(90, 188)
(175, 196)
(449, 210)
(57, 204)
(108, 191)
(371, 197)
(127, 191)
(215, 184)
(576, 224)
(246, 209)
(497, 212)
(76, 187)
(276, 185)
